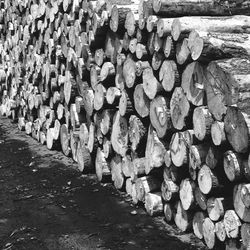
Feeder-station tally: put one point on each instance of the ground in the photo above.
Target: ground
(46, 203)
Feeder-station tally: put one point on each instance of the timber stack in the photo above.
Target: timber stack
(152, 95)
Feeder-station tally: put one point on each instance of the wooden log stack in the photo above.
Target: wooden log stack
(152, 95)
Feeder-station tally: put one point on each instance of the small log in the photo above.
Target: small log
(125, 104)
(116, 171)
(129, 184)
(245, 195)
(138, 168)
(102, 167)
(160, 115)
(183, 53)
(106, 121)
(169, 212)
(232, 224)
(245, 235)
(233, 166)
(131, 21)
(157, 60)
(179, 108)
(183, 218)
(164, 26)
(168, 47)
(200, 198)
(107, 72)
(179, 147)
(151, 85)
(99, 97)
(144, 185)
(119, 134)
(127, 166)
(169, 75)
(74, 140)
(83, 158)
(208, 233)
(216, 207)
(141, 51)
(168, 159)
(220, 230)
(155, 151)
(88, 100)
(197, 155)
(153, 204)
(129, 69)
(171, 173)
(151, 24)
(92, 141)
(218, 133)
(198, 220)
(187, 193)
(113, 95)
(169, 190)
(214, 157)
(84, 134)
(107, 148)
(237, 127)
(193, 83)
(141, 101)
(136, 133)
(242, 211)
(207, 180)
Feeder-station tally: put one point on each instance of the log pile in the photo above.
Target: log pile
(152, 95)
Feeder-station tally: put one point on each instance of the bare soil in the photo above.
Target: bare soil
(46, 203)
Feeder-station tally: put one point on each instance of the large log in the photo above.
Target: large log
(225, 24)
(235, 72)
(237, 127)
(176, 8)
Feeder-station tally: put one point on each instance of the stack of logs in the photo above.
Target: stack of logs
(153, 95)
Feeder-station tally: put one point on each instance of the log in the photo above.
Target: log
(168, 159)
(233, 166)
(129, 185)
(168, 47)
(172, 174)
(183, 218)
(214, 157)
(225, 24)
(141, 51)
(179, 109)
(152, 21)
(183, 53)
(113, 95)
(216, 207)
(138, 168)
(127, 166)
(220, 231)
(169, 190)
(145, 185)
(208, 46)
(136, 133)
(125, 104)
(157, 60)
(219, 95)
(107, 148)
(207, 180)
(151, 85)
(106, 121)
(107, 72)
(202, 121)
(197, 155)
(119, 134)
(84, 134)
(83, 158)
(99, 97)
(116, 171)
(208, 233)
(232, 224)
(169, 212)
(200, 198)
(141, 101)
(245, 235)
(131, 22)
(169, 75)
(74, 140)
(179, 147)
(197, 223)
(160, 115)
(199, 8)
(153, 204)
(129, 69)
(187, 187)
(218, 133)
(192, 83)
(237, 127)
(242, 211)
(245, 194)
(164, 26)
(155, 151)
(102, 167)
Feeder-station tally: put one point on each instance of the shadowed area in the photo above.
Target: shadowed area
(46, 203)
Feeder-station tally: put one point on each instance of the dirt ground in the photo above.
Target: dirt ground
(46, 203)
